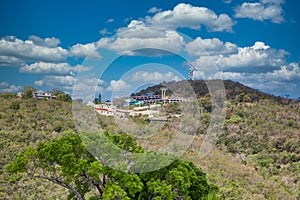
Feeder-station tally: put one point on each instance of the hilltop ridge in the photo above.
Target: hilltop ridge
(232, 90)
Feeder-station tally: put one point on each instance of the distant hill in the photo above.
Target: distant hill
(233, 90)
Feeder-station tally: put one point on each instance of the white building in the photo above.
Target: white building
(105, 109)
(39, 95)
(20, 94)
(149, 113)
(43, 95)
(144, 111)
(111, 110)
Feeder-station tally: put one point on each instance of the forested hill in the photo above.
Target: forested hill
(256, 157)
(233, 90)
(42, 157)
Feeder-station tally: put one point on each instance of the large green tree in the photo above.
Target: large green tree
(61, 95)
(28, 92)
(66, 162)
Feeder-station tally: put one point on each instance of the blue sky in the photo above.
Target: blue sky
(118, 46)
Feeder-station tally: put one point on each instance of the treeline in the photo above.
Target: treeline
(28, 93)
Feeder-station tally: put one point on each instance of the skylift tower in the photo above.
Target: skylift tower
(191, 71)
(163, 93)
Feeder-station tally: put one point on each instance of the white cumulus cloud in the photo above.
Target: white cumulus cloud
(186, 15)
(154, 77)
(131, 82)
(258, 55)
(3, 85)
(56, 81)
(52, 68)
(157, 35)
(104, 32)
(47, 42)
(27, 51)
(198, 74)
(118, 86)
(138, 38)
(83, 87)
(284, 78)
(11, 61)
(85, 50)
(154, 10)
(6, 87)
(290, 72)
(263, 10)
(200, 47)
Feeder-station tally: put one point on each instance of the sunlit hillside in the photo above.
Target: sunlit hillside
(256, 157)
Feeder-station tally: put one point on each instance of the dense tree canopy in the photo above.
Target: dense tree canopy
(61, 95)
(66, 162)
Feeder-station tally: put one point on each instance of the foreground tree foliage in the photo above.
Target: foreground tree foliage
(67, 163)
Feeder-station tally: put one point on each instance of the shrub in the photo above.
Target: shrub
(15, 105)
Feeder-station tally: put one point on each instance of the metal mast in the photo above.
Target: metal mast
(191, 71)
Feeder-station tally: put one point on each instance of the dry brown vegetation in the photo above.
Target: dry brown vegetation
(256, 157)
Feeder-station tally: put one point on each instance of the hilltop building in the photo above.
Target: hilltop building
(39, 95)
(43, 95)
(105, 109)
(147, 105)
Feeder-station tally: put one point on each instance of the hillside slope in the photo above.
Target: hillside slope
(258, 154)
(25, 122)
(256, 157)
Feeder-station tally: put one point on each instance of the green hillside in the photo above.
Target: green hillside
(258, 154)
(42, 157)
(256, 157)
